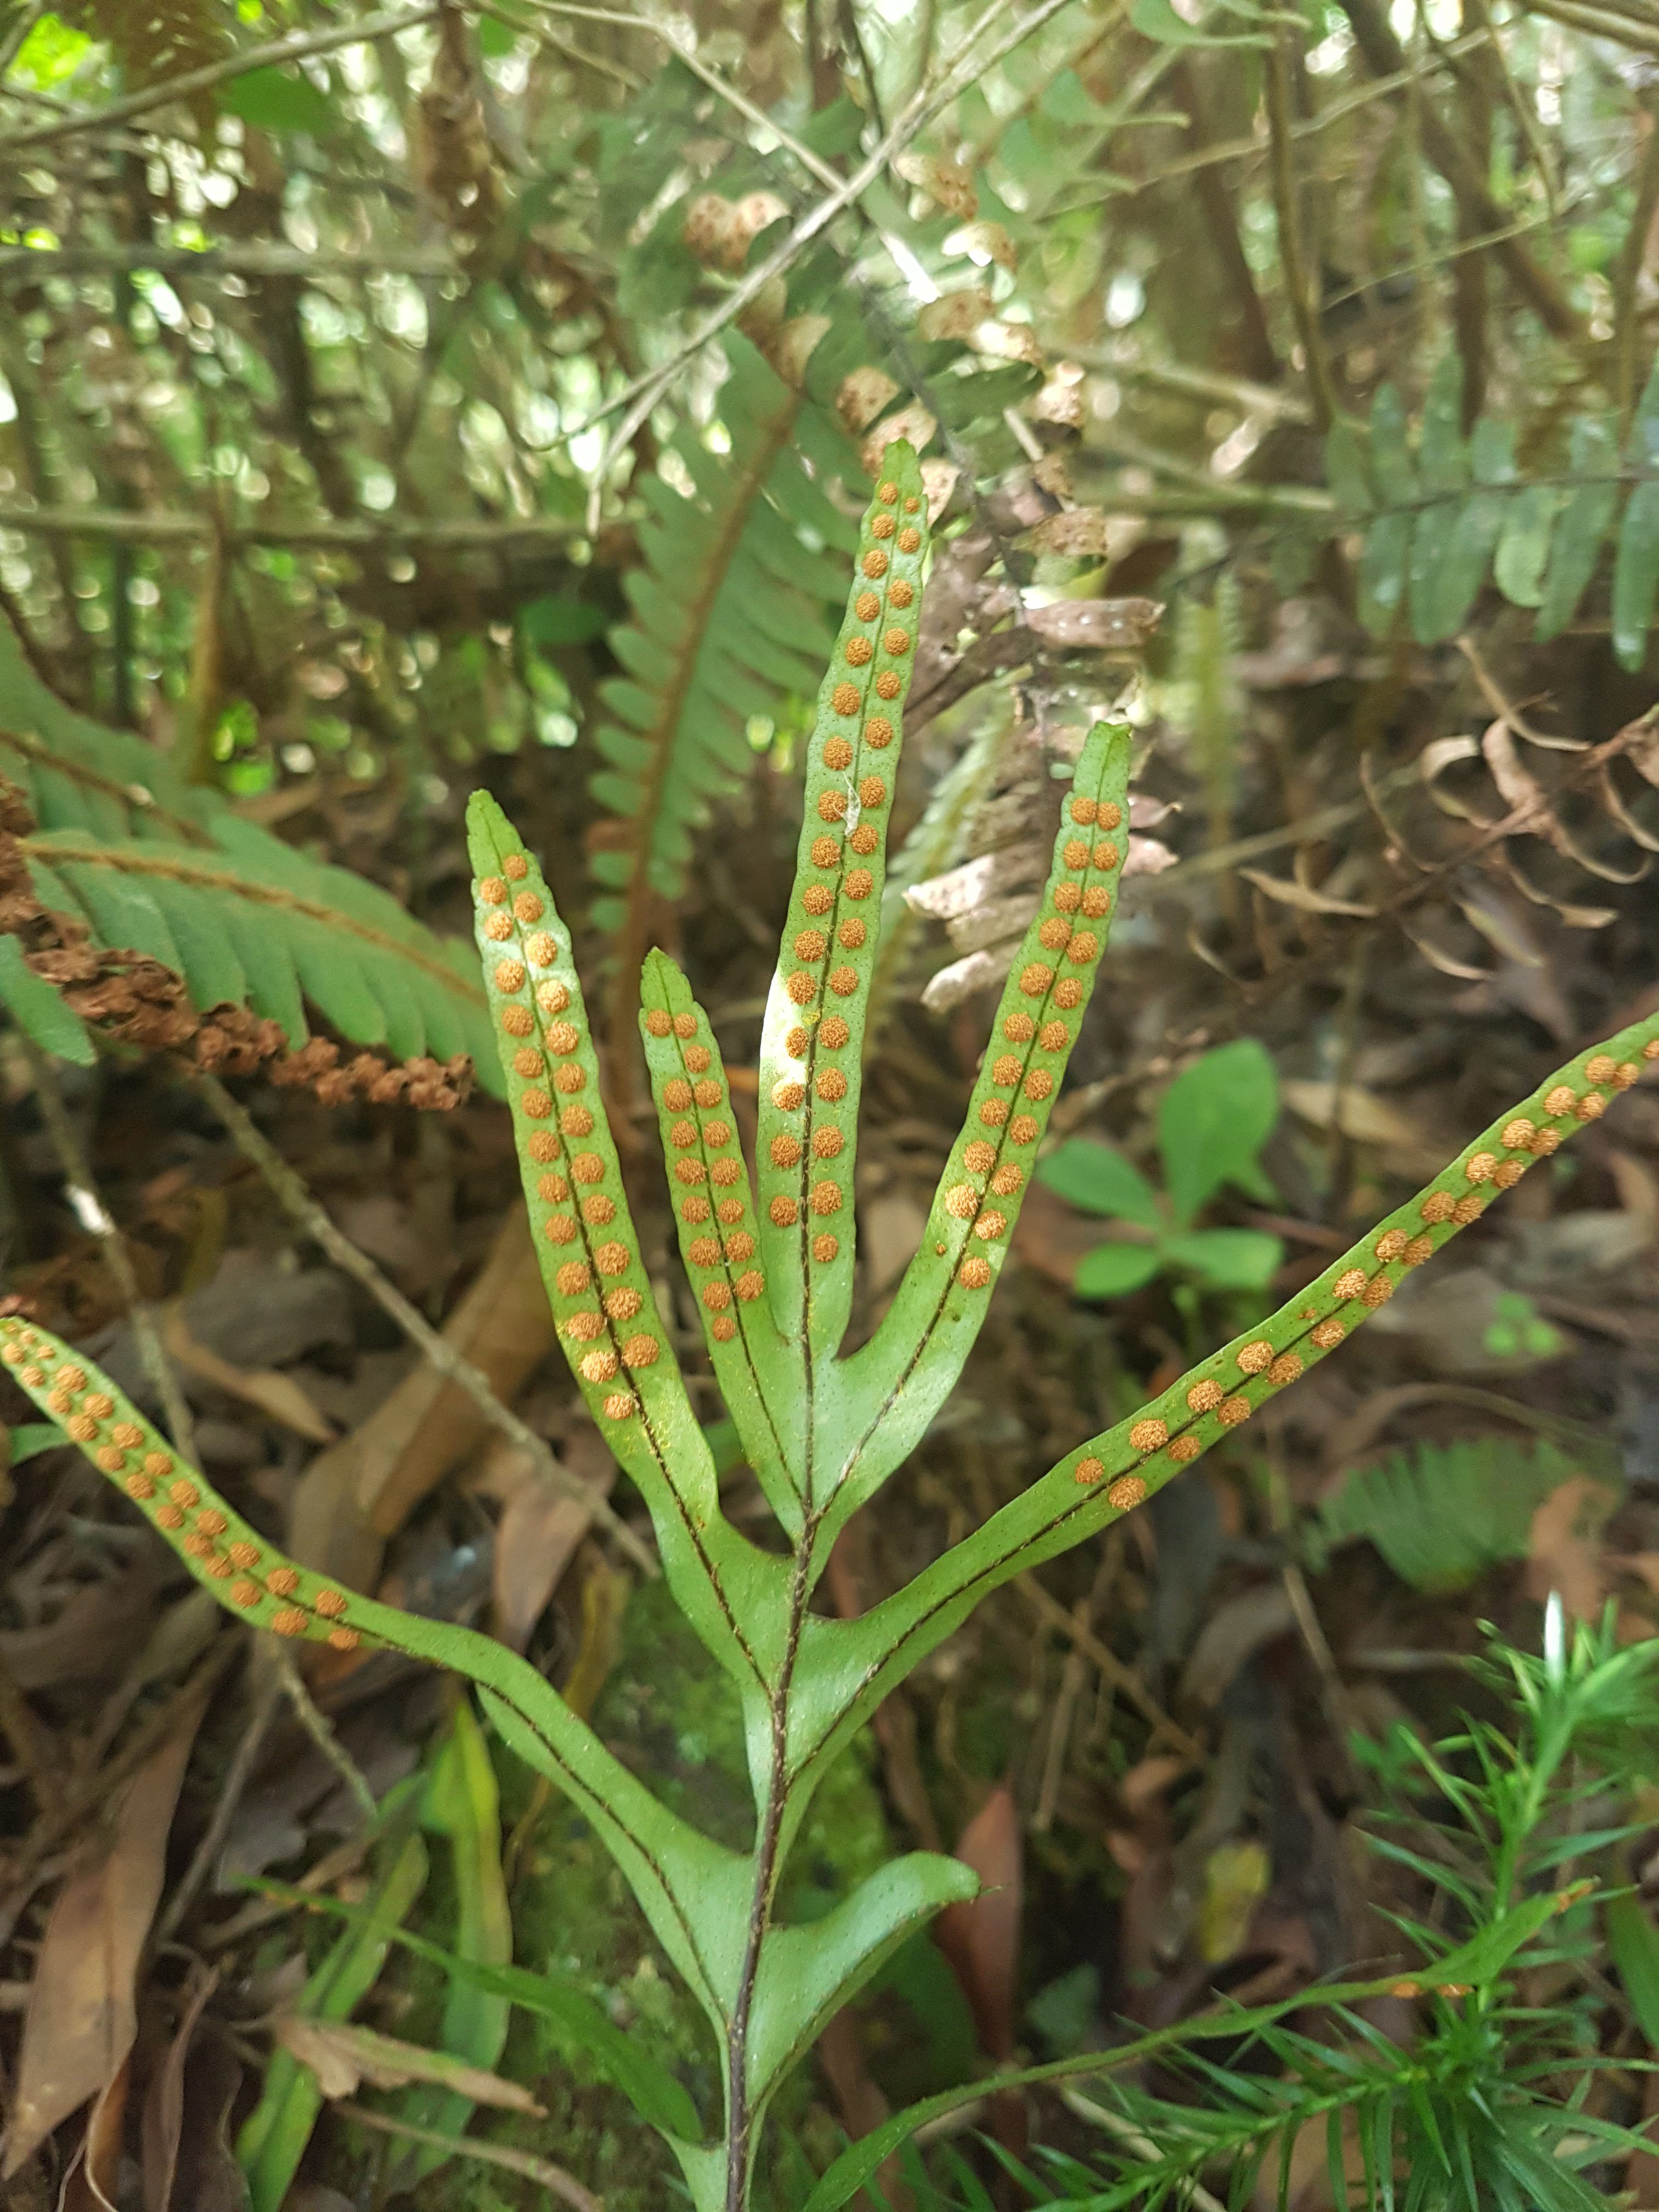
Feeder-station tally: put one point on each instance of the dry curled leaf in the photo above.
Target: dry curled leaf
(1103, 625)
(793, 347)
(1564, 1547)
(913, 423)
(981, 1938)
(342, 2056)
(279, 1396)
(955, 314)
(1302, 896)
(1080, 532)
(82, 2014)
(985, 241)
(861, 395)
(946, 183)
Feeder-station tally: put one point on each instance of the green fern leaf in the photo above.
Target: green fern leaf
(1523, 548)
(1636, 563)
(1467, 535)
(1344, 472)
(1441, 1514)
(732, 614)
(150, 864)
(1442, 455)
(1582, 530)
(38, 1010)
(1636, 575)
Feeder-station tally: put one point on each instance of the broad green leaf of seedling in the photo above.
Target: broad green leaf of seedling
(1212, 1122)
(1518, 1331)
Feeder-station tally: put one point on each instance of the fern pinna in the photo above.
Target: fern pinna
(1436, 522)
(136, 860)
(771, 1264)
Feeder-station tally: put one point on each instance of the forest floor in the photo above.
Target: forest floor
(1146, 1747)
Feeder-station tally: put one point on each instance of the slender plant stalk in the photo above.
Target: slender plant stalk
(293, 1193)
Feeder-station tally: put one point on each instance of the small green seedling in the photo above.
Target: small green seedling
(768, 1258)
(1211, 1123)
(1519, 1332)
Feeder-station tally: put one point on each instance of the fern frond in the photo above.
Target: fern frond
(1438, 522)
(812, 1040)
(591, 1264)
(913, 1360)
(1442, 1514)
(145, 863)
(731, 617)
(665, 1861)
(714, 1212)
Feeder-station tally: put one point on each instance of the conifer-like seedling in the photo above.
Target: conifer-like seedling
(770, 1259)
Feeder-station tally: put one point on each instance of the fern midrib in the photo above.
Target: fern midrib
(126, 795)
(138, 863)
(632, 945)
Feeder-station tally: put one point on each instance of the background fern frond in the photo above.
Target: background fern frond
(146, 863)
(1440, 519)
(1442, 1514)
(734, 609)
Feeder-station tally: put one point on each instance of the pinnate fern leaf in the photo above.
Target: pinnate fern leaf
(770, 1271)
(1442, 1514)
(146, 863)
(1439, 520)
(732, 617)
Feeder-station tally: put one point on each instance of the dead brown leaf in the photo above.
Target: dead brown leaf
(1302, 896)
(279, 1396)
(82, 2016)
(355, 1494)
(537, 1536)
(1103, 625)
(1564, 1547)
(97, 1628)
(164, 2106)
(980, 1938)
(343, 2055)
(1364, 1117)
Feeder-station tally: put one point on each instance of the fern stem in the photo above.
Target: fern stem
(1304, 306)
(294, 1197)
(1627, 273)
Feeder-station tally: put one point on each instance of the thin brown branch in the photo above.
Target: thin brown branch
(270, 259)
(161, 528)
(1386, 57)
(1122, 1676)
(1304, 307)
(1627, 271)
(1601, 23)
(1334, 111)
(272, 55)
(30, 1742)
(94, 1214)
(1221, 228)
(318, 1726)
(553, 2179)
(291, 1190)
